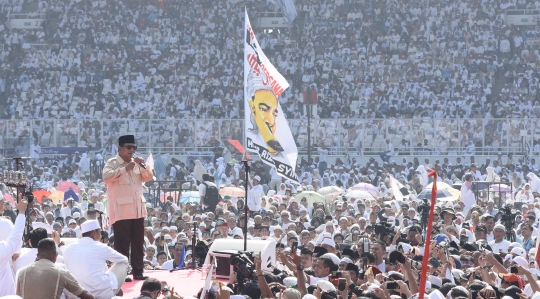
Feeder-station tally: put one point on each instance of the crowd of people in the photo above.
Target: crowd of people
(374, 241)
(392, 59)
(181, 60)
(408, 63)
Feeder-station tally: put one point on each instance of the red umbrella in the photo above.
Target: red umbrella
(40, 193)
(65, 186)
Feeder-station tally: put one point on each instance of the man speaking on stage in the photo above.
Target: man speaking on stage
(124, 176)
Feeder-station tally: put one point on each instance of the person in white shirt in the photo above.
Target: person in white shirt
(8, 248)
(86, 260)
(476, 173)
(275, 181)
(66, 211)
(150, 256)
(255, 193)
(6, 226)
(175, 262)
(29, 255)
(499, 244)
(323, 158)
(35, 151)
(208, 202)
(389, 151)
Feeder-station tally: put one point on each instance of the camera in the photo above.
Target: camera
(403, 239)
(29, 196)
(508, 218)
(424, 210)
(383, 229)
(336, 274)
(242, 263)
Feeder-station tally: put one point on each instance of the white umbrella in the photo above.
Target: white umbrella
(359, 194)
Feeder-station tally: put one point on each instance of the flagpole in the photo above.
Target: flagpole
(423, 275)
(246, 168)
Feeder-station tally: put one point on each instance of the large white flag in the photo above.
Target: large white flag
(288, 9)
(267, 130)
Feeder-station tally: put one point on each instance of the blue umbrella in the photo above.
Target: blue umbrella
(72, 194)
(190, 196)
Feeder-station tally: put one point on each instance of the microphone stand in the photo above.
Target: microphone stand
(246, 210)
(194, 258)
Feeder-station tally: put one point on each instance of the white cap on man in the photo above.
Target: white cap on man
(258, 178)
(89, 225)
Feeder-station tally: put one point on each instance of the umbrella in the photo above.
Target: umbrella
(40, 193)
(359, 194)
(65, 186)
(446, 187)
(232, 192)
(501, 187)
(57, 196)
(330, 190)
(311, 197)
(190, 196)
(72, 194)
(442, 195)
(366, 187)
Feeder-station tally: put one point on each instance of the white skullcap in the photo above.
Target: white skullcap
(289, 281)
(48, 228)
(89, 225)
(326, 286)
(332, 256)
(519, 251)
(521, 261)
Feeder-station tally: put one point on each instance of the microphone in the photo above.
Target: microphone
(134, 156)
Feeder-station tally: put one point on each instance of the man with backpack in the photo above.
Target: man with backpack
(209, 193)
(177, 172)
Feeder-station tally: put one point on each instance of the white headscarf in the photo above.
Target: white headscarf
(199, 170)
(84, 163)
(535, 182)
(491, 175)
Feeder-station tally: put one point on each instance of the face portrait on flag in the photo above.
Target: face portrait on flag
(264, 110)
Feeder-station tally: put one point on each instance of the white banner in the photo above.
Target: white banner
(288, 9)
(267, 130)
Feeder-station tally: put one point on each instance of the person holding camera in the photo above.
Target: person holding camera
(9, 247)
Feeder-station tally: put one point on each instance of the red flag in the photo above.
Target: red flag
(423, 275)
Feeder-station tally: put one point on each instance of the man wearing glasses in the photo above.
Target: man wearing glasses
(124, 176)
(151, 289)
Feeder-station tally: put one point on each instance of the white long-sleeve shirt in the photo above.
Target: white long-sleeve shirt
(86, 260)
(7, 249)
(254, 198)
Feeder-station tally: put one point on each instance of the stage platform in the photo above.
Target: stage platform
(187, 283)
